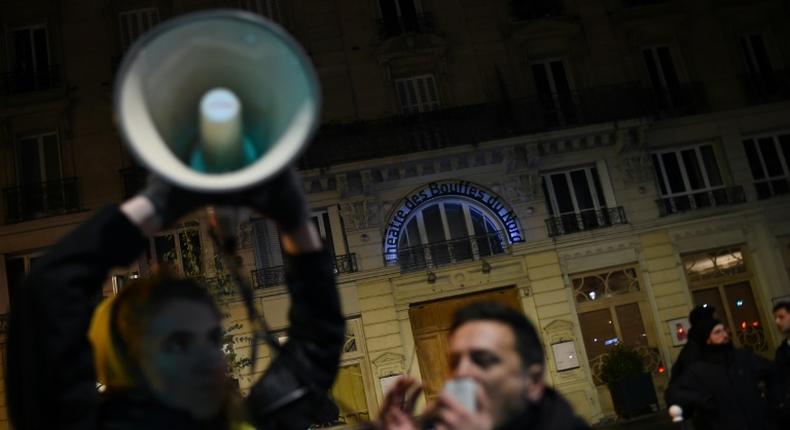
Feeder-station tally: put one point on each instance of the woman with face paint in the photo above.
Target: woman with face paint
(156, 346)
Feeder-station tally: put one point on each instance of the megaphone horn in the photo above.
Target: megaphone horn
(216, 101)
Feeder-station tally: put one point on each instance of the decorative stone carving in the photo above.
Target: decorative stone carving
(389, 363)
(521, 188)
(636, 167)
(360, 215)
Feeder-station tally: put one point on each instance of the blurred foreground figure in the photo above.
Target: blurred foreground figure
(723, 386)
(499, 349)
(780, 392)
(156, 346)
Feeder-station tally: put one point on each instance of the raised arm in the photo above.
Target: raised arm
(50, 367)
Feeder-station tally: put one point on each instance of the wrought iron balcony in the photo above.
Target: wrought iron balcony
(471, 124)
(418, 23)
(437, 254)
(767, 87)
(19, 82)
(687, 202)
(32, 201)
(585, 220)
(772, 187)
(536, 9)
(346, 263)
(133, 180)
(273, 276)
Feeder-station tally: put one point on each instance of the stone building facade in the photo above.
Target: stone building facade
(601, 165)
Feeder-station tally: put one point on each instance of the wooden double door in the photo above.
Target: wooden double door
(430, 323)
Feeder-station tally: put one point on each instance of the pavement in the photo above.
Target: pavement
(657, 421)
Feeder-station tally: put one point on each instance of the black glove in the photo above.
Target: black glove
(281, 199)
(172, 202)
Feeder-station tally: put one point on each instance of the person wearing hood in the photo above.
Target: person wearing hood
(723, 386)
(157, 346)
(692, 349)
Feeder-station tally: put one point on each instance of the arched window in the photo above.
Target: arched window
(447, 231)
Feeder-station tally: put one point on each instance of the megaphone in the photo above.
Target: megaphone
(216, 101)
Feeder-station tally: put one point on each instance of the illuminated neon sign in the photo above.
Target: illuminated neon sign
(435, 190)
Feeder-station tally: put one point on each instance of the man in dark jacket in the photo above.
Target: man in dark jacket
(723, 386)
(691, 350)
(780, 389)
(498, 349)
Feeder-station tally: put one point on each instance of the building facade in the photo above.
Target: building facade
(600, 165)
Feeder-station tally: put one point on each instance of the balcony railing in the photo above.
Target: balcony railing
(468, 125)
(273, 276)
(437, 254)
(133, 180)
(585, 220)
(772, 187)
(705, 199)
(767, 87)
(419, 23)
(18, 82)
(536, 9)
(32, 201)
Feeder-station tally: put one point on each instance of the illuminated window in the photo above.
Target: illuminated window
(446, 232)
(179, 249)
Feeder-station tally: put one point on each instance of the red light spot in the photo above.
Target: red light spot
(755, 324)
(743, 325)
(661, 369)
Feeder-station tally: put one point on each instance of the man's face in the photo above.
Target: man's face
(719, 335)
(486, 352)
(182, 359)
(782, 320)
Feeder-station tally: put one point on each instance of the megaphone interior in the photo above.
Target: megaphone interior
(212, 57)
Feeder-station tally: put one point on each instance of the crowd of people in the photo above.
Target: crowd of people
(155, 347)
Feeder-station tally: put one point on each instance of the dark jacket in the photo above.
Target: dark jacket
(688, 355)
(780, 388)
(552, 413)
(51, 382)
(723, 389)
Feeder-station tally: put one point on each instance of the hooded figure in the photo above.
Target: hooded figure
(722, 387)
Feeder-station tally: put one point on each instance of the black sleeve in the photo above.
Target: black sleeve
(51, 380)
(690, 392)
(308, 362)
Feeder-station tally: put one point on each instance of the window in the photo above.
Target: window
(134, 23)
(38, 159)
(554, 92)
(417, 94)
(612, 311)
(41, 189)
(31, 59)
(722, 278)
(447, 232)
(268, 8)
(576, 201)
(400, 16)
(690, 178)
(270, 258)
(663, 76)
(755, 55)
(179, 249)
(769, 161)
